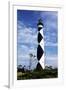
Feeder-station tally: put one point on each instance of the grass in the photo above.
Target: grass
(36, 74)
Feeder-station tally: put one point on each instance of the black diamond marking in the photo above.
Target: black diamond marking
(39, 28)
(39, 37)
(38, 67)
(39, 52)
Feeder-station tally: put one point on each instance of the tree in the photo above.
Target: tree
(19, 68)
(32, 58)
(31, 55)
(50, 67)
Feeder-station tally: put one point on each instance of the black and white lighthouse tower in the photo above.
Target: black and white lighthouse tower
(40, 47)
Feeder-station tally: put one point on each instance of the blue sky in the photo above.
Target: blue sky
(27, 36)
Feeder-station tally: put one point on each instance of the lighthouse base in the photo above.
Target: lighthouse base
(38, 67)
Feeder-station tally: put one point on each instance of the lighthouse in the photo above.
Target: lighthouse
(40, 46)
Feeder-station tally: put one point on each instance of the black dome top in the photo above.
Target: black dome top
(40, 22)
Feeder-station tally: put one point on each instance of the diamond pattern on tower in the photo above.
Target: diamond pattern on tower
(41, 32)
(39, 28)
(38, 66)
(42, 44)
(39, 37)
(41, 61)
(39, 52)
(40, 48)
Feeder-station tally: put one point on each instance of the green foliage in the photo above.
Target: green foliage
(36, 74)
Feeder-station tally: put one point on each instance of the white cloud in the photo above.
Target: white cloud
(50, 44)
(52, 57)
(51, 60)
(27, 42)
(50, 27)
(26, 34)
